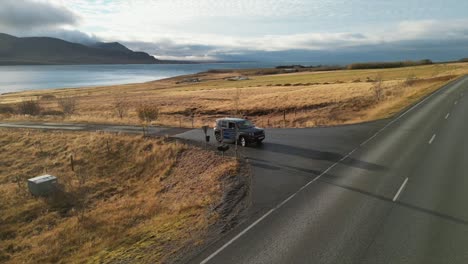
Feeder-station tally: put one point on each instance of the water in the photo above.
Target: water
(21, 78)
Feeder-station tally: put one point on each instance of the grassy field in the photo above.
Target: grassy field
(304, 99)
(128, 199)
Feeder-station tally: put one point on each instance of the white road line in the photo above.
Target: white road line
(269, 212)
(236, 237)
(432, 139)
(312, 181)
(407, 111)
(285, 201)
(400, 190)
(447, 116)
(456, 102)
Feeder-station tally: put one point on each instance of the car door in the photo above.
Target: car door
(229, 131)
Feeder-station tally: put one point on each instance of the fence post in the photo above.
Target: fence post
(193, 118)
(237, 143)
(72, 163)
(284, 118)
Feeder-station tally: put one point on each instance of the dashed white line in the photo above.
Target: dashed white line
(447, 116)
(272, 210)
(432, 139)
(400, 190)
(318, 177)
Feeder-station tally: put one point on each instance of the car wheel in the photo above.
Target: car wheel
(243, 141)
(259, 142)
(218, 136)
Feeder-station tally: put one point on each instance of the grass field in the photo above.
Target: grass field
(128, 199)
(304, 99)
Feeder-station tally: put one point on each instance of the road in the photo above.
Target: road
(391, 191)
(394, 191)
(153, 131)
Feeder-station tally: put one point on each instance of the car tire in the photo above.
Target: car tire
(218, 136)
(243, 141)
(259, 142)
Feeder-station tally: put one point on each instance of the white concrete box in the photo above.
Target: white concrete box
(42, 185)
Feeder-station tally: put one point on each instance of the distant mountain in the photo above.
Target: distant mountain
(111, 46)
(45, 50)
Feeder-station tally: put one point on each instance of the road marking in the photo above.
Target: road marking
(314, 180)
(432, 139)
(236, 237)
(447, 116)
(409, 110)
(456, 102)
(289, 198)
(400, 190)
(271, 211)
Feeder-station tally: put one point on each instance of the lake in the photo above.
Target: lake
(21, 78)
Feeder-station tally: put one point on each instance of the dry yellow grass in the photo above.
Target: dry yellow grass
(304, 99)
(129, 199)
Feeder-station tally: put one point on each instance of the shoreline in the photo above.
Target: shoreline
(270, 99)
(108, 69)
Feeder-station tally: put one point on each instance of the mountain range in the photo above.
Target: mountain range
(53, 51)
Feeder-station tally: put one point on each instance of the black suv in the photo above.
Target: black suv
(226, 129)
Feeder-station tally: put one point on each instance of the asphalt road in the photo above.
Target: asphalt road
(393, 191)
(153, 131)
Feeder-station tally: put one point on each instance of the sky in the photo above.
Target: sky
(322, 31)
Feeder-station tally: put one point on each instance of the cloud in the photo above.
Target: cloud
(420, 37)
(70, 35)
(18, 15)
(167, 49)
(215, 29)
(26, 18)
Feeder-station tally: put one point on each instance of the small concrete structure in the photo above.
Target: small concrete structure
(290, 70)
(42, 185)
(189, 80)
(238, 78)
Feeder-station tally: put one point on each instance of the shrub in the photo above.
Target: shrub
(410, 80)
(121, 106)
(52, 113)
(377, 88)
(147, 112)
(48, 97)
(67, 105)
(29, 108)
(6, 109)
(384, 65)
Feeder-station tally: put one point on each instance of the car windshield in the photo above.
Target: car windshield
(245, 124)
